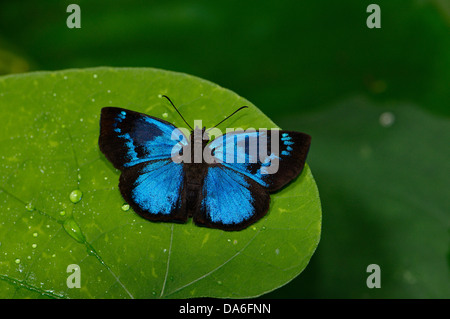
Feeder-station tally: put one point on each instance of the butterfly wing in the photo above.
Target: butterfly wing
(142, 147)
(128, 138)
(247, 166)
(271, 158)
(155, 190)
(230, 200)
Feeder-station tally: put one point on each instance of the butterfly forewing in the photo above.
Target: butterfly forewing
(271, 158)
(128, 138)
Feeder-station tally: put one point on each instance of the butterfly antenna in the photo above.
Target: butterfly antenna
(178, 112)
(242, 107)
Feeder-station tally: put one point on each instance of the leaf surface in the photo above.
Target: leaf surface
(60, 203)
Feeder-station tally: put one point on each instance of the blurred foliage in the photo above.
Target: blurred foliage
(294, 60)
(284, 56)
(10, 61)
(383, 182)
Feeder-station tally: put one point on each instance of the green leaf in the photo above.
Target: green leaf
(60, 203)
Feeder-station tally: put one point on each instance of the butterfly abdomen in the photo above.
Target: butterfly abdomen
(194, 173)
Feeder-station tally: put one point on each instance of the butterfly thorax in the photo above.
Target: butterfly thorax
(196, 169)
(198, 141)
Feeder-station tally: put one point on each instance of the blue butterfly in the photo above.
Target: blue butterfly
(227, 189)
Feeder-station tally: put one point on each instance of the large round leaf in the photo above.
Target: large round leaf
(60, 204)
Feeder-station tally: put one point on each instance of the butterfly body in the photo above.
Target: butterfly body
(195, 173)
(164, 178)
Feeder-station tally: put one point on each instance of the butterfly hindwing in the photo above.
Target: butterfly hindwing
(128, 138)
(274, 159)
(155, 190)
(230, 200)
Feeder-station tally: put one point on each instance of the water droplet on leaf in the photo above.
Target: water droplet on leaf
(75, 196)
(72, 228)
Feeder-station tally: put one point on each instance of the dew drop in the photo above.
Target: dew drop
(72, 228)
(29, 207)
(95, 76)
(75, 196)
(125, 207)
(34, 245)
(17, 261)
(62, 213)
(35, 234)
(165, 115)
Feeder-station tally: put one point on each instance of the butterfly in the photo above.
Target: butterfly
(164, 180)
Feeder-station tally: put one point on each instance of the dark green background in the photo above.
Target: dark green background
(312, 66)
